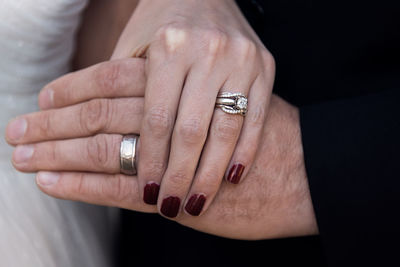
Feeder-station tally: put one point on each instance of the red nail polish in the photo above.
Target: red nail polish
(195, 204)
(150, 195)
(170, 206)
(235, 173)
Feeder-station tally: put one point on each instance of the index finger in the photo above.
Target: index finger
(111, 79)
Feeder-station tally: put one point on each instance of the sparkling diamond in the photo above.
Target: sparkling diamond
(241, 102)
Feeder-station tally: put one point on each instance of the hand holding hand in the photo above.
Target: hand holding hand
(195, 50)
(273, 201)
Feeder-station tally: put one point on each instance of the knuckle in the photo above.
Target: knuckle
(246, 154)
(167, 28)
(107, 190)
(94, 115)
(268, 59)
(53, 152)
(211, 180)
(244, 47)
(192, 130)
(153, 170)
(216, 41)
(179, 179)
(172, 36)
(99, 151)
(115, 189)
(227, 128)
(45, 125)
(159, 121)
(79, 187)
(107, 77)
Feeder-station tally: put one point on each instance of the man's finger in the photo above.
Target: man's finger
(101, 189)
(122, 116)
(118, 78)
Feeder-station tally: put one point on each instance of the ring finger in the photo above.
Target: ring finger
(190, 132)
(223, 135)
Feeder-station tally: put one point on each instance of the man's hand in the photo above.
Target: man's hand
(274, 200)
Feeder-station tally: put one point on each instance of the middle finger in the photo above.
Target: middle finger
(190, 132)
(121, 116)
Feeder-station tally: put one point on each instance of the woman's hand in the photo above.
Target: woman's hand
(193, 51)
(273, 201)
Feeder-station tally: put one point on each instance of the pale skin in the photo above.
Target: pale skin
(229, 214)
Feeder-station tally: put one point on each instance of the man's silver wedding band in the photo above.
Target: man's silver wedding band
(128, 154)
(232, 103)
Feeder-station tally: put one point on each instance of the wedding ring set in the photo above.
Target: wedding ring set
(231, 103)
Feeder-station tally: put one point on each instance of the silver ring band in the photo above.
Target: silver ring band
(232, 103)
(128, 154)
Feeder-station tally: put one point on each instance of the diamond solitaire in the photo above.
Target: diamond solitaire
(232, 103)
(241, 103)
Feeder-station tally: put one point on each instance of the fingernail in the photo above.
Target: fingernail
(170, 206)
(150, 195)
(235, 173)
(16, 129)
(23, 153)
(47, 178)
(195, 204)
(46, 99)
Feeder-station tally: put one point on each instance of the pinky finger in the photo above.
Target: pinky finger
(251, 133)
(100, 189)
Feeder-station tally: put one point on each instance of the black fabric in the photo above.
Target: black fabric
(352, 152)
(150, 240)
(338, 61)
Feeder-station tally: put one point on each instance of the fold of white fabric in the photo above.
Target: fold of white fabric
(36, 45)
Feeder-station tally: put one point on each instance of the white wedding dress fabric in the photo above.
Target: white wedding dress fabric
(36, 44)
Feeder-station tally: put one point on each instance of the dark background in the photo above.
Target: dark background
(325, 51)
(150, 240)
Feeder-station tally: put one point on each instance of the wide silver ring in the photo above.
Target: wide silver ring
(232, 103)
(128, 154)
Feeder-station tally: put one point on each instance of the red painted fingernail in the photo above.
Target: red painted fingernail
(235, 173)
(170, 206)
(150, 195)
(195, 204)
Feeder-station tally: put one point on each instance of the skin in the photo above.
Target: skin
(228, 143)
(193, 51)
(274, 201)
(277, 204)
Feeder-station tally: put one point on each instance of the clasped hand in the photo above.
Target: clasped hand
(186, 146)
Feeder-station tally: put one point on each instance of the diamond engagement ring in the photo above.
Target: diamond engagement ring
(232, 103)
(128, 154)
